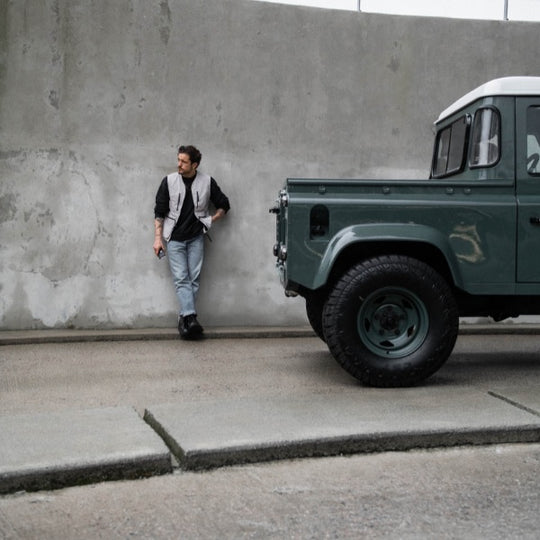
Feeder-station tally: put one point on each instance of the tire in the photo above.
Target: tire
(391, 321)
(314, 311)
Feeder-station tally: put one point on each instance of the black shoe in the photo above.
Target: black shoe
(192, 326)
(182, 327)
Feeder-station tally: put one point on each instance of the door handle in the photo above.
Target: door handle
(534, 220)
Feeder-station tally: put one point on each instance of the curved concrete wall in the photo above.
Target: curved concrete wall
(96, 96)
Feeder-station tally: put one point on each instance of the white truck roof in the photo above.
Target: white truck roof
(506, 86)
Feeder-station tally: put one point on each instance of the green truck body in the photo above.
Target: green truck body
(360, 251)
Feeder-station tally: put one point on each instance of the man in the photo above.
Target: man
(182, 217)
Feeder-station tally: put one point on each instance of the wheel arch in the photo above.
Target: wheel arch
(360, 242)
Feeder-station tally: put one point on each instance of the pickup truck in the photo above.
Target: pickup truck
(387, 267)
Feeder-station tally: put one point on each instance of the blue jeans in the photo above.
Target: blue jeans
(185, 262)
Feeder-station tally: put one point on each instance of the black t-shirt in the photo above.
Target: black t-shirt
(187, 226)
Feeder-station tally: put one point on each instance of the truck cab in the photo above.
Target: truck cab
(492, 135)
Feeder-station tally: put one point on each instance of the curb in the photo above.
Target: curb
(77, 447)
(33, 337)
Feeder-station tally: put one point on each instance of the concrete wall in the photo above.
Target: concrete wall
(95, 96)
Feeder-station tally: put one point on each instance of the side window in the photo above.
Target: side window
(450, 148)
(486, 138)
(533, 141)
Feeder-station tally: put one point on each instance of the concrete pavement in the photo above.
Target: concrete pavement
(56, 448)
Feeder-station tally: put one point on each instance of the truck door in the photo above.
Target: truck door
(528, 188)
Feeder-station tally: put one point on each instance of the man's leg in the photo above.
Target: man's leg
(195, 256)
(178, 262)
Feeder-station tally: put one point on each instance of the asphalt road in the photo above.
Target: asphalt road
(468, 492)
(487, 492)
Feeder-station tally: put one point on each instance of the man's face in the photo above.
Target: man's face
(185, 166)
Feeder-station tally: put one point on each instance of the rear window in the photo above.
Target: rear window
(451, 148)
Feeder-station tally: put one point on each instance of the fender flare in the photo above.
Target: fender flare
(386, 232)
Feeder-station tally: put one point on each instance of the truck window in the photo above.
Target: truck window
(450, 148)
(486, 136)
(533, 141)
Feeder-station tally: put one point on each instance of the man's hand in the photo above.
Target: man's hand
(158, 245)
(218, 215)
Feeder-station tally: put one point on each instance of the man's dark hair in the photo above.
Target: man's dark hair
(192, 152)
